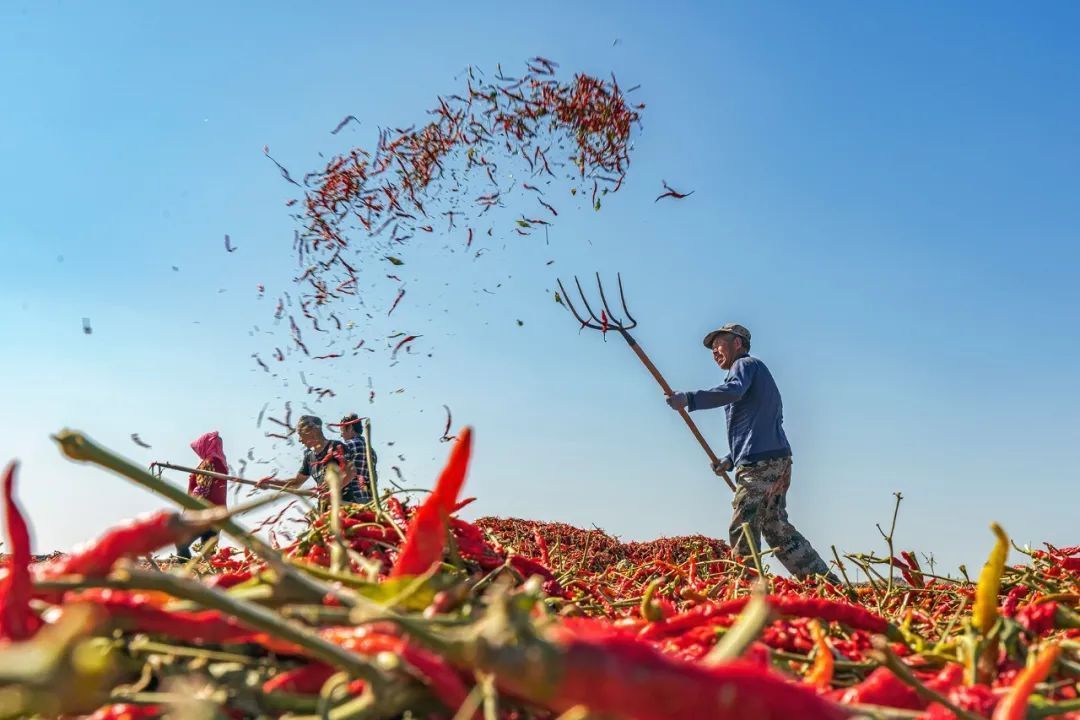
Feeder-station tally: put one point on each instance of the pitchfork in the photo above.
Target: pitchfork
(608, 321)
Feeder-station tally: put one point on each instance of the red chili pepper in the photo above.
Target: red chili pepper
(1072, 564)
(881, 687)
(1012, 600)
(17, 620)
(136, 537)
(141, 612)
(627, 678)
(1038, 619)
(224, 581)
(397, 513)
(425, 540)
(124, 711)
(431, 669)
(853, 616)
(304, 680)
(914, 576)
(542, 544)
(527, 566)
(977, 698)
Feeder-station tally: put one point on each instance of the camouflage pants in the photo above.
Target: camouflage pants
(761, 502)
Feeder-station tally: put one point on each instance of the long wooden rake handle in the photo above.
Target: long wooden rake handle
(231, 478)
(667, 391)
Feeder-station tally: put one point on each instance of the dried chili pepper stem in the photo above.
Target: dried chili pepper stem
(889, 542)
(752, 544)
(373, 485)
(751, 621)
(843, 570)
(255, 616)
(338, 550)
(142, 644)
(223, 476)
(392, 702)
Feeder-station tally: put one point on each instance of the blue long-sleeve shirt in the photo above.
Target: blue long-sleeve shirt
(755, 413)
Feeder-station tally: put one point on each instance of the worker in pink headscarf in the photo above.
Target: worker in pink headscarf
(211, 457)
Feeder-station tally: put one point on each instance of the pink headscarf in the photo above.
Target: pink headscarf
(208, 447)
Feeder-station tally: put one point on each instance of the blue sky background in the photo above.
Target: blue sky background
(885, 196)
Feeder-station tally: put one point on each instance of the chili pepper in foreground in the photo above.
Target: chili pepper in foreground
(426, 537)
(627, 678)
(124, 711)
(431, 669)
(140, 612)
(985, 610)
(978, 699)
(1038, 619)
(1014, 705)
(881, 687)
(17, 620)
(304, 680)
(136, 537)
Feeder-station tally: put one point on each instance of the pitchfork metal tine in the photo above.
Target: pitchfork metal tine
(585, 301)
(617, 323)
(610, 322)
(622, 299)
(573, 310)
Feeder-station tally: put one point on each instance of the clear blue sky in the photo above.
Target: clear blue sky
(885, 196)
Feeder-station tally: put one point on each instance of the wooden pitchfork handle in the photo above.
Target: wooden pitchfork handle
(682, 411)
(230, 478)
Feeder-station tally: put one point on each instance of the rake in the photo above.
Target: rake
(607, 321)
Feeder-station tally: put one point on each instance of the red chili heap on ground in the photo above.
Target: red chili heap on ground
(388, 611)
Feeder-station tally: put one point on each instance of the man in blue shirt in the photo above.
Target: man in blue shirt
(760, 453)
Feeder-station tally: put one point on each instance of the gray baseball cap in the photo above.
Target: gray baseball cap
(730, 328)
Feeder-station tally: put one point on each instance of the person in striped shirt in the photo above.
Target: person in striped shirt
(357, 448)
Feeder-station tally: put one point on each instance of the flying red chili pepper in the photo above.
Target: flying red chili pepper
(404, 341)
(401, 294)
(345, 121)
(669, 192)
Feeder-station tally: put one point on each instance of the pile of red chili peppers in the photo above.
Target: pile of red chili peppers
(394, 611)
